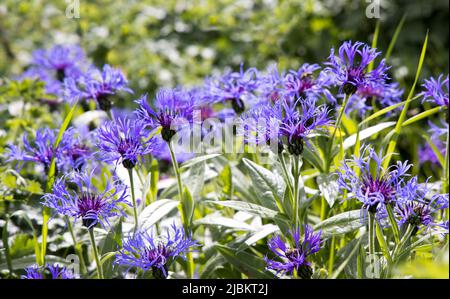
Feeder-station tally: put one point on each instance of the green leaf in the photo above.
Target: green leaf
(423, 115)
(383, 112)
(188, 206)
(196, 160)
(348, 253)
(112, 242)
(268, 186)
(328, 188)
(216, 220)
(340, 224)
(393, 142)
(212, 265)
(263, 232)
(155, 211)
(366, 133)
(436, 151)
(250, 208)
(394, 37)
(252, 266)
(196, 178)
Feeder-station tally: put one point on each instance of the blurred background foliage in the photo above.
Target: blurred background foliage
(167, 42)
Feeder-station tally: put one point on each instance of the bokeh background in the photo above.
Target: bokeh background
(167, 42)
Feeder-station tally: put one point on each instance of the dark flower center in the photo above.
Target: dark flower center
(238, 105)
(104, 102)
(89, 205)
(296, 145)
(354, 75)
(60, 74)
(378, 186)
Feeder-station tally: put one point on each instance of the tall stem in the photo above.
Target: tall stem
(372, 241)
(78, 250)
(296, 174)
(184, 218)
(133, 197)
(337, 126)
(393, 223)
(96, 256)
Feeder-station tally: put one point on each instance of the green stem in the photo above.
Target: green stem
(331, 259)
(295, 172)
(78, 250)
(285, 172)
(372, 241)
(398, 249)
(96, 256)
(337, 126)
(184, 218)
(133, 197)
(393, 223)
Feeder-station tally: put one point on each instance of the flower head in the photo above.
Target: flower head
(375, 186)
(436, 90)
(145, 251)
(97, 85)
(293, 258)
(55, 64)
(173, 110)
(233, 87)
(282, 124)
(350, 66)
(48, 271)
(86, 201)
(373, 93)
(417, 206)
(124, 140)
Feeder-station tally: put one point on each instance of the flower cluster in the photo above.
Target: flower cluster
(147, 252)
(48, 272)
(294, 257)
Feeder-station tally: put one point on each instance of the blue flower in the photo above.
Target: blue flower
(55, 64)
(302, 83)
(374, 186)
(124, 141)
(285, 122)
(173, 111)
(147, 252)
(97, 85)
(48, 271)
(350, 67)
(416, 206)
(235, 87)
(271, 84)
(293, 258)
(85, 201)
(383, 95)
(436, 90)
(297, 125)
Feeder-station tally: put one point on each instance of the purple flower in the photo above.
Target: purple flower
(173, 110)
(302, 83)
(350, 67)
(86, 201)
(145, 251)
(286, 122)
(124, 140)
(55, 64)
(271, 84)
(294, 258)
(297, 125)
(416, 206)
(234, 87)
(383, 95)
(48, 271)
(97, 85)
(375, 186)
(436, 91)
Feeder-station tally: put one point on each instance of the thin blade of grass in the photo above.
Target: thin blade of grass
(394, 37)
(393, 142)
